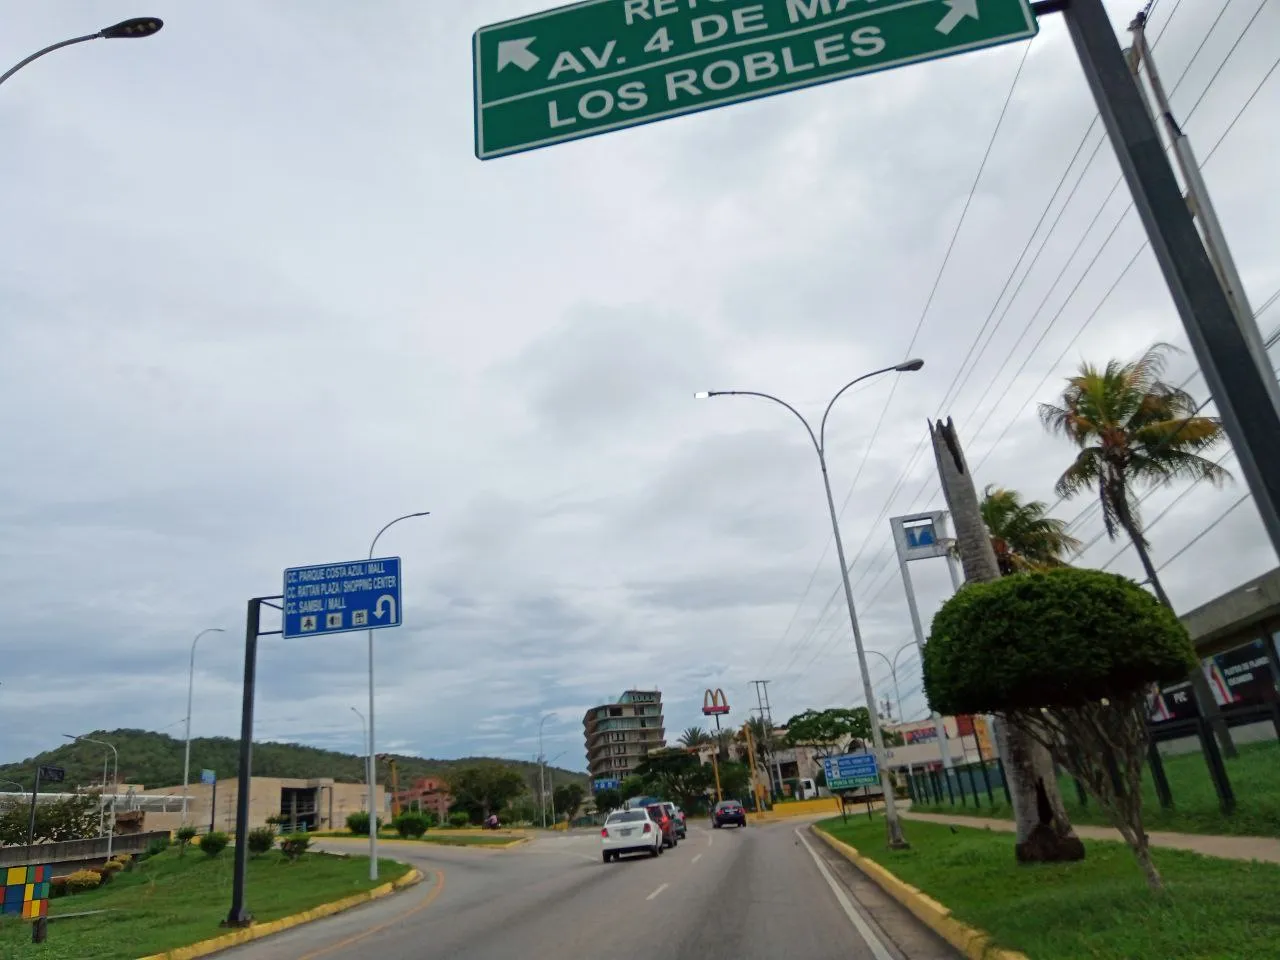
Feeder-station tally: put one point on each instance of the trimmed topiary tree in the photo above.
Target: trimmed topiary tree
(214, 843)
(185, 835)
(261, 840)
(410, 824)
(1069, 655)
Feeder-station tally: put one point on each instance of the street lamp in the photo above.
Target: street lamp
(15, 783)
(364, 732)
(186, 752)
(892, 824)
(542, 774)
(133, 29)
(115, 780)
(893, 669)
(373, 792)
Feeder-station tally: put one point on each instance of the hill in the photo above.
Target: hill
(155, 760)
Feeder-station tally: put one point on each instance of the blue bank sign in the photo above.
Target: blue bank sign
(850, 771)
(340, 597)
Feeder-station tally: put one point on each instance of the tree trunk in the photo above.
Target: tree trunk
(1043, 829)
(1205, 699)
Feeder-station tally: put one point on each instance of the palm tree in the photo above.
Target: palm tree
(694, 737)
(1133, 429)
(1021, 535)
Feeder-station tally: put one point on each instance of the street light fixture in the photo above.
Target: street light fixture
(893, 670)
(186, 751)
(133, 29)
(372, 772)
(542, 774)
(115, 780)
(892, 824)
(364, 733)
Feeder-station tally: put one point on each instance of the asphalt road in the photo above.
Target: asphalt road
(764, 893)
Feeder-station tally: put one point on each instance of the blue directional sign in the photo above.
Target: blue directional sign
(341, 597)
(208, 777)
(604, 783)
(851, 770)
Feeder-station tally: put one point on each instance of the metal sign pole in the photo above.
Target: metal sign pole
(239, 916)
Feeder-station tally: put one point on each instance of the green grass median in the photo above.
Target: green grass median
(1254, 775)
(171, 901)
(443, 838)
(1099, 909)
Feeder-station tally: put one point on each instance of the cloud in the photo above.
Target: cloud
(253, 307)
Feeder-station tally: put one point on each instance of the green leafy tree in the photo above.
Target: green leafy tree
(678, 774)
(826, 731)
(484, 789)
(1023, 536)
(69, 818)
(637, 786)
(1069, 656)
(411, 825)
(735, 780)
(1135, 430)
(567, 799)
(694, 737)
(294, 845)
(607, 800)
(185, 835)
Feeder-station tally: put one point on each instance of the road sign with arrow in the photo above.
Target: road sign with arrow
(341, 597)
(605, 65)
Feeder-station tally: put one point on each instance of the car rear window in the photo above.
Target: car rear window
(627, 816)
(727, 805)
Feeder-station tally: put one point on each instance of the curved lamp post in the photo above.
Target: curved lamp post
(893, 670)
(372, 770)
(542, 774)
(133, 29)
(186, 751)
(892, 824)
(115, 780)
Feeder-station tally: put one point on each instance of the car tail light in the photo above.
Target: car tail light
(648, 828)
(604, 831)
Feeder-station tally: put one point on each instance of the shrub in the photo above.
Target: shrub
(83, 880)
(411, 825)
(185, 835)
(111, 866)
(358, 823)
(157, 846)
(261, 840)
(213, 843)
(294, 845)
(57, 888)
(459, 819)
(125, 860)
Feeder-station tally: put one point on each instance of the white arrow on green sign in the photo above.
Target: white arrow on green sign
(604, 65)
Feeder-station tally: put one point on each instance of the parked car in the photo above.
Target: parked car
(728, 811)
(630, 831)
(677, 818)
(658, 814)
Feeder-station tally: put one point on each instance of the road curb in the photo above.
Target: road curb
(973, 943)
(259, 930)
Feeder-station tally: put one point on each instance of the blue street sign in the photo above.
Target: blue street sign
(208, 777)
(851, 770)
(921, 536)
(341, 597)
(605, 784)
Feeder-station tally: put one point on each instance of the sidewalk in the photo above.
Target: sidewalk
(1265, 849)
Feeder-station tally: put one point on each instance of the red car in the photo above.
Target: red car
(659, 815)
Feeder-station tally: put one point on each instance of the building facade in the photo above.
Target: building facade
(311, 805)
(619, 735)
(427, 795)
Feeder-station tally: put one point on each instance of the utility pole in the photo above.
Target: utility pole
(766, 727)
(1200, 204)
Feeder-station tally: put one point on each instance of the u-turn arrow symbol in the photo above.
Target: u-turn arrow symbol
(385, 603)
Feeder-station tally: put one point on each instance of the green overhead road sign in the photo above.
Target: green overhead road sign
(604, 65)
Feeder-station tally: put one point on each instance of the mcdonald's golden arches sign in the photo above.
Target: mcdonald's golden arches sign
(714, 703)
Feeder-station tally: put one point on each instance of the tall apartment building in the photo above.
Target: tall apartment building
(619, 735)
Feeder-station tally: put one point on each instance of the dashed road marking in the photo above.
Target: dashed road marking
(696, 859)
(660, 889)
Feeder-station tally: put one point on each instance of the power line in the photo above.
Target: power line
(1200, 536)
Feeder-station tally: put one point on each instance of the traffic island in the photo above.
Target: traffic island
(170, 906)
(965, 885)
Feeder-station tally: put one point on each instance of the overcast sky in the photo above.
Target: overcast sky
(258, 297)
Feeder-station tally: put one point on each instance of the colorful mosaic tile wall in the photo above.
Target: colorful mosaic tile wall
(25, 892)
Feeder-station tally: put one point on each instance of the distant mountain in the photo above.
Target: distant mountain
(155, 760)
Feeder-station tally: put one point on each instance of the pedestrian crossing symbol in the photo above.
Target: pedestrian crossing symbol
(308, 624)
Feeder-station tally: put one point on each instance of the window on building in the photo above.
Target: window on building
(620, 750)
(617, 737)
(615, 711)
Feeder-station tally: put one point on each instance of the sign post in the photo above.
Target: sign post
(603, 65)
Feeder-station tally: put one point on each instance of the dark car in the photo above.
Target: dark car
(677, 818)
(728, 811)
(659, 815)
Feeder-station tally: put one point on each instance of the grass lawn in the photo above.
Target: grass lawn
(448, 838)
(1254, 775)
(171, 901)
(1098, 909)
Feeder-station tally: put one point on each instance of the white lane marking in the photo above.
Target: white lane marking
(710, 838)
(864, 930)
(663, 887)
(696, 859)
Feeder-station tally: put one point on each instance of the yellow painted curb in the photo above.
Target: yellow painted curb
(973, 943)
(259, 930)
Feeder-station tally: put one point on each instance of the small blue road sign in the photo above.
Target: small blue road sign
(604, 783)
(208, 777)
(921, 536)
(851, 770)
(341, 597)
